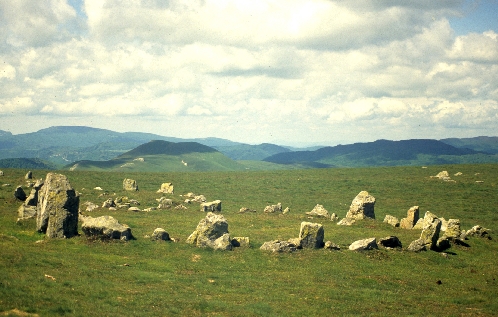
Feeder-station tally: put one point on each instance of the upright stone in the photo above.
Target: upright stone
(57, 208)
(20, 194)
(362, 207)
(453, 230)
(130, 184)
(211, 206)
(311, 235)
(430, 233)
(28, 208)
(29, 175)
(212, 232)
(166, 188)
(412, 216)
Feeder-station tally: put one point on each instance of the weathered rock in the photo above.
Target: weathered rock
(164, 203)
(181, 207)
(57, 208)
(319, 211)
(160, 234)
(211, 206)
(19, 194)
(199, 199)
(417, 246)
(105, 227)
(1, 173)
(442, 244)
(393, 221)
(311, 235)
(362, 207)
(134, 209)
(166, 188)
(444, 175)
(390, 242)
(334, 217)
(273, 208)
(29, 208)
(297, 242)
(419, 225)
(346, 222)
(412, 216)
(278, 246)
(444, 224)
(430, 232)
(130, 184)
(242, 242)
(365, 244)
(29, 175)
(453, 230)
(108, 203)
(331, 246)
(478, 231)
(90, 206)
(286, 211)
(244, 210)
(212, 232)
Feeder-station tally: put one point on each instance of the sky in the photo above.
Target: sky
(289, 72)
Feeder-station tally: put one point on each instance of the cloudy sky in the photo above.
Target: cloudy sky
(290, 72)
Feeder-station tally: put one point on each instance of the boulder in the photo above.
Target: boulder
(160, 234)
(412, 216)
(1, 173)
(334, 217)
(331, 246)
(130, 184)
(108, 203)
(211, 206)
(362, 207)
(390, 242)
(417, 246)
(393, 221)
(29, 175)
(29, 208)
(478, 231)
(244, 210)
(242, 242)
(444, 175)
(211, 232)
(273, 208)
(57, 208)
(286, 211)
(365, 244)
(134, 209)
(166, 188)
(311, 235)
(430, 231)
(319, 211)
(297, 242)
(453, 230)
(199, 199)
(90, 206)
(346, 222)
(19, 194)
(105, 227)
(419, 225)
(164, 203)
(278, 246)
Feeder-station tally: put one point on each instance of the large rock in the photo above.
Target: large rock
(417, 246)
(29, 208)
(105, 227)
(278, 246)
(430, 232)
(412, 216)
(160, 234)
(393, 221)
(311, 235)
(365, 244)
(478, 231)
(166, 188)
(164, 203)
(130, 184)
(273, 208)
(211, 232)
(20, 194)
(29, 175)
(57, 208)
(453, 230)
(319, 211)
(390, 242)
(362, 207)
(211, 206)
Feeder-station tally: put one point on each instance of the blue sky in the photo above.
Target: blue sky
(291, 72)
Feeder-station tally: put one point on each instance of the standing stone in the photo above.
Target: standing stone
(28, 208)
(130, 184)
(212, 232)
(29, 175)
(20, 194)
(311, 235)
(166, 188)
(211, 206)
(412, 216)
(453, 230)
(365, 244)
(362, 207)
(319, 211)
(393, 221)
(430, 232)
(57, 208)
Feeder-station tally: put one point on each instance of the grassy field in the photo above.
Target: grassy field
(145, 278)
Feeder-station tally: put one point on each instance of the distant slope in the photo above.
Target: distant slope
(251, 152)
(482, 143)
(382, 153)
(26, 163)
(164, 156)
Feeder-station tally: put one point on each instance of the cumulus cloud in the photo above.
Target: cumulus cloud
(290, 71)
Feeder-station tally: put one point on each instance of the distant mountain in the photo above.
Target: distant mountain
(481, 143)
(251, 152)
(383, 153)
(26, 163)
(164, 156)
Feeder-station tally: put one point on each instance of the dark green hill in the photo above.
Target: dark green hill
(26, 163)
(482, 143)
(251, 152)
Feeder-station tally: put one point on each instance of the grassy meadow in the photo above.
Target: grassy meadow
(82, 277)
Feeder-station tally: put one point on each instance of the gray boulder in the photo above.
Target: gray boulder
(331, 246)
(362, 207)
(130, 184)
(20, 194)
(393, 221)
(273, 208)
(431, 230)
(160, 234)
(311, 235)
(57, 208)
(417, 246)
(412, 216)
(211, 232)
(109, 203)
(242, 242)
(319, 211)
(390, 242)
(164, 203)
(363, 245)
(478, 231)
(105, 227)
(166, 188)
(29, 175)
(29, 208)
(278, 246)
(211, 206)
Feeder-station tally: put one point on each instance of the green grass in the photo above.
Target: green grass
(165, 279)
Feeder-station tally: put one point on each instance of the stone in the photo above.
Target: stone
(286, 211)
(273, 208)
(130, 184)
(1, 173)
(134, 209)
(211, 206)
(362, 207)
(181, 207)
(363, 245)
(478, 231)
(166, 188)
(199, 199)
(331, 246)
(442, 244)
(390, 242)
(105, 227)
(430, 232)
(346, 222)
(311, 235)
(108, 203)
(90, 206)
(297, 242)
(319, 211)
(444, 224)
(29, 175)
(241, 242)
(278, 246)
(393, 221)
(419, 225)
(160, 234)
(412, 216)
(164, 203)
(417, 246)
(211, 232)
(334, 217)
(244, 210)
(29, 208)
(453, 230)
(20, 194)
(57, 208)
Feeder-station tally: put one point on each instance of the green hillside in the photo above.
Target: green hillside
(481, 143)
(26, 163)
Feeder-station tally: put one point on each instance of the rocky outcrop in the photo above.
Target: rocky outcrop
(211, 206)
(319, 211)
(362, 207)
(278, 246)
(412, 216)
(363, 245)
(273, 208)
(105, 227)
(130, 184)
(444, 175)
(311, 235)
(166, 188)
(393, 221)
(211, 232)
